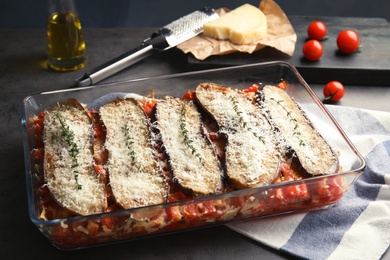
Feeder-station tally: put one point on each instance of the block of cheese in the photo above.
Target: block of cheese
(244, 25)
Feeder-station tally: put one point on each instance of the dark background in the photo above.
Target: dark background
(157, 13)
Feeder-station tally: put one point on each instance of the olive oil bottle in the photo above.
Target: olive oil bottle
(66, 45)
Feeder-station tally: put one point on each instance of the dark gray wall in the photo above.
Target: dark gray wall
(156, 13)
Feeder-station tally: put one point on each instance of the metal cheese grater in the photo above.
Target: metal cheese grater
(166, 37)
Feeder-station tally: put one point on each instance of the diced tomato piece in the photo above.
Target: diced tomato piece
(38, 120)
(207, 209)
(253, 88)
(287, 173)
(107, 222)
(189, 95)
(158, 220)
(214, 136)
(37, 129)
(103, 176)
(279, 194)
(47, 201)
(76, 232)
(286, 169)
(148, 107)
(191, 211)
(282, 85)
(102, 173)
(38, 133)
(55, 211)
(291, 192)
(237, 201)
(174, 214)
(335, 186)
(98, 168)
(295, 192)
(93, 228)
(177, 196)
(302, 191)
(44, 190)
(98, 131)
(37, 154)
(60, 233)
(323, 188)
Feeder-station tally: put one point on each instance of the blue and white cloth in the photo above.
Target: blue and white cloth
(358, 226)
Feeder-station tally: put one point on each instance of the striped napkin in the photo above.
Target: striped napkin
(358, 226)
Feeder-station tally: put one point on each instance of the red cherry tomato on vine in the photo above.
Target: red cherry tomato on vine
(348, 41)
(333, 91)
(317, 30)
(312, 50)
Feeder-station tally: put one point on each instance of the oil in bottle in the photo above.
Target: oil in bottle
(66, 45)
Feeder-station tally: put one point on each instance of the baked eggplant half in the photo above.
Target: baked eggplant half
(252, 158)
(194, 165)
(135, 177)
(298, 135)
(69, 159)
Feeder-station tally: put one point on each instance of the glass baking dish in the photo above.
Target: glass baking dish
(312, 193)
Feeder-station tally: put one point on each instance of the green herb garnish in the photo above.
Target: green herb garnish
(187, 139)
(292, 119)
(242, 121)
(73, 149)
(129, 144)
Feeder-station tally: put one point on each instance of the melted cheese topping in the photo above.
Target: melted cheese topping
(251, 155)
(60, 169)
(135, 177)
(313, 152)
(194, 162)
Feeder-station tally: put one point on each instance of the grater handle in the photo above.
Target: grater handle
(123, 61)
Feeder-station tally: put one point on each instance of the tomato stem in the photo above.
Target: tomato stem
(331, 95)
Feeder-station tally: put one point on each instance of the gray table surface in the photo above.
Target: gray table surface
(23, 72)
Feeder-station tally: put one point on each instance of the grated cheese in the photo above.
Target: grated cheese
(313, 152)
(59, 164)
(195, 166)
(135, 177)
(252, 158)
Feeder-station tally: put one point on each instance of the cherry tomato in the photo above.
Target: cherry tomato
(333, 91)
(348, 41)
(317, 30)
(312, 50)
